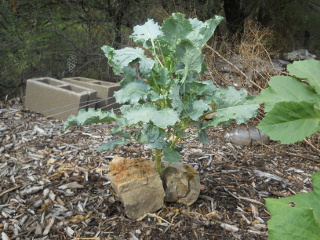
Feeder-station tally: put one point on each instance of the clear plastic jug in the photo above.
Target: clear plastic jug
(246, 136)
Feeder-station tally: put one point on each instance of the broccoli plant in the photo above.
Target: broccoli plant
(162, 92)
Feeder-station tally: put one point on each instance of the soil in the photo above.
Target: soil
(54, 183)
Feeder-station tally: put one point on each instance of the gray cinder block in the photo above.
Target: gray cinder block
(105, 90)
(58, 99)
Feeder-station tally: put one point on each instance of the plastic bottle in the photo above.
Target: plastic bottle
(246, 136)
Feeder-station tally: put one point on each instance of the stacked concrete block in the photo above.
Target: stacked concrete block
(105, 91)
(58, 99)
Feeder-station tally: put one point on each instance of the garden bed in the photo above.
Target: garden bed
(54, 184)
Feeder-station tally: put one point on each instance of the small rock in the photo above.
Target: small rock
(181, 183)
(137, 184)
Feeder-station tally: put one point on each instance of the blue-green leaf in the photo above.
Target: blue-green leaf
(164, 78)
(203, 137)
(121, 59)
(198, 109)
(174, 95)
(203, 31)
(153, 137)
(175, 28)
(190, 56)
(170, 155)
(161, 118)
(231, 104)
(120, 132)
(112, 144)
(88, 117)
(109, 53)
(132, 92)
(148, 31)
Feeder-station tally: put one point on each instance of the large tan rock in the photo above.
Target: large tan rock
(181, 183)
(137, 184)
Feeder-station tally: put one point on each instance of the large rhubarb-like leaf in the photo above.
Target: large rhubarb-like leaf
(290, 122)
(308, 70)
(296, 217)
(285, 89)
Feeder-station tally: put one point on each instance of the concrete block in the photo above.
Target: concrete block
(105, 90)
(58, 99)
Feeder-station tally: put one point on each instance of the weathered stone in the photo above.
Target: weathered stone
(181, 183)
(137, 184)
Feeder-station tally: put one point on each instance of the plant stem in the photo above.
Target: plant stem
(157, 157)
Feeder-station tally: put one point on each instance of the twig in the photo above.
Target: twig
(294, 154)
(9, 190)
(231, 64)
(311, 145)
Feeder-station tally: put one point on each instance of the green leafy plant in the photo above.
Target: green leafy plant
(296, 217)
(162, 92)
(292, 103)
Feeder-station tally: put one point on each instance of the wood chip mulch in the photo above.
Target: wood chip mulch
(54, 185)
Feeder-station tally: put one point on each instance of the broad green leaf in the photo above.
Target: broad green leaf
(174, 95)
(203, 137)
(175, 28)
(285, 88)
(170, 155)
(112, 144)
(120, 132)
(121, 59)
(198, 109)
(164, 78)
(109, 53)
(190, 56)
(296, 217)
(231, 104)
(161, 118)
(308, 70)
(203, 31)
(128, 79)
(132, 92)
(290, 122)
(153, 137)
(127, 55)
(200, 88)
(88, 117)
(148, 31)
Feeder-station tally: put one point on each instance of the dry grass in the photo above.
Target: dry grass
(248, 60)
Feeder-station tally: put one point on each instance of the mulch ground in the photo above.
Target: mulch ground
(54, 184)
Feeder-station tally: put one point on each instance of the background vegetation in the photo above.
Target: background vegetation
(61, 38)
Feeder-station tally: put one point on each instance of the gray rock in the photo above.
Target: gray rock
(137, 184)
(181, 183)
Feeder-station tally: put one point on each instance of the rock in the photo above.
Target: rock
(181, 183)
(137, 184)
